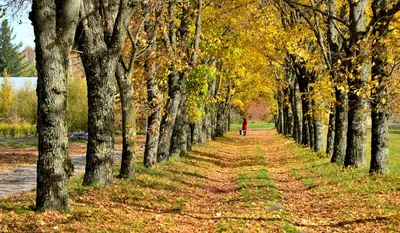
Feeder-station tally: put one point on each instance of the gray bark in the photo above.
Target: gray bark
(380, 73)
(124, 80)
(169, 118)
(330, 139)
(339, 149)
(154, 97)
(103, 33)
(54, 27)
(360, 68)
(181, 130)
(175, 79)
(298, 135)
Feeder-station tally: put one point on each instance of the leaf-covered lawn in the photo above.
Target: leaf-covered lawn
(262, 182)
(222, 186)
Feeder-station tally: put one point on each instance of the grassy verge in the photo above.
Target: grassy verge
(356, 198)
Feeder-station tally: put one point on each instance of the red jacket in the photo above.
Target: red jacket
(244, 125)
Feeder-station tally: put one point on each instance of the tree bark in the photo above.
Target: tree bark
(360, 70)
(124, 80)
(341, 123)
(179, 145)
(54, 27)
(154, 97)
(169, 118)
(103, 34)
(297, 113)
(330, 139)
(175, 79)
(380, 74)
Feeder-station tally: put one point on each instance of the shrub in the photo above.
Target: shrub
(17, 130)
(77, 106)
(26, 104)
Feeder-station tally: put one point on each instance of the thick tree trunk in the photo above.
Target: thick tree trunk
(341, 123)
(303, 84)
(154, 98)
(311, 129)
(360, 68)
(223, 113)
(103, 34)
(221, 120)
(380, 74)
(128, 124)
(54, 33)
(318, 135)
(330, 139)
(298, 134)
(181, 129)
(100, 75)
(169, 118)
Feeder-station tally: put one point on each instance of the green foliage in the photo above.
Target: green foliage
(26, 104)
(197, 90)
(10, 58)
(17, 130)
(6, 99)
(77, 106)
(29, 70)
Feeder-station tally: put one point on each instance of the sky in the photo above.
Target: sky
(22, 26)
(23, 31)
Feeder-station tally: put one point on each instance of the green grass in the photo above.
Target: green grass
(18, 142)
(257, 125)
(355, 189)
(254, 181)
(394, 149)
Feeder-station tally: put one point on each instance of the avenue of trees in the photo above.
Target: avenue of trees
(353, 57)
(190, 61)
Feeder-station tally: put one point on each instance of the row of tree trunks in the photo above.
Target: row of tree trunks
(102, 38)
(350, 64)
(176, 79)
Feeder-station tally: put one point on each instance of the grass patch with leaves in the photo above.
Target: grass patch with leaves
(254, 181)
(201, 192)
(351, 199)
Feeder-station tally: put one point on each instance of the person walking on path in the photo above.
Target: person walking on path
(244, 126)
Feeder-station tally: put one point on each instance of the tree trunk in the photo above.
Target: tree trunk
(380, 74)
(128, 123)
(169, 118)
(330, 139)
(54, 27)
(340, 111)
(181, 129)
(318, 135)
(360, 69)
(102, 36)
(311, 128)
(341, 123)
(154, 97)
(297, 113)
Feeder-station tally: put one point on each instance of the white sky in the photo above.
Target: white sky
(22, 26)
